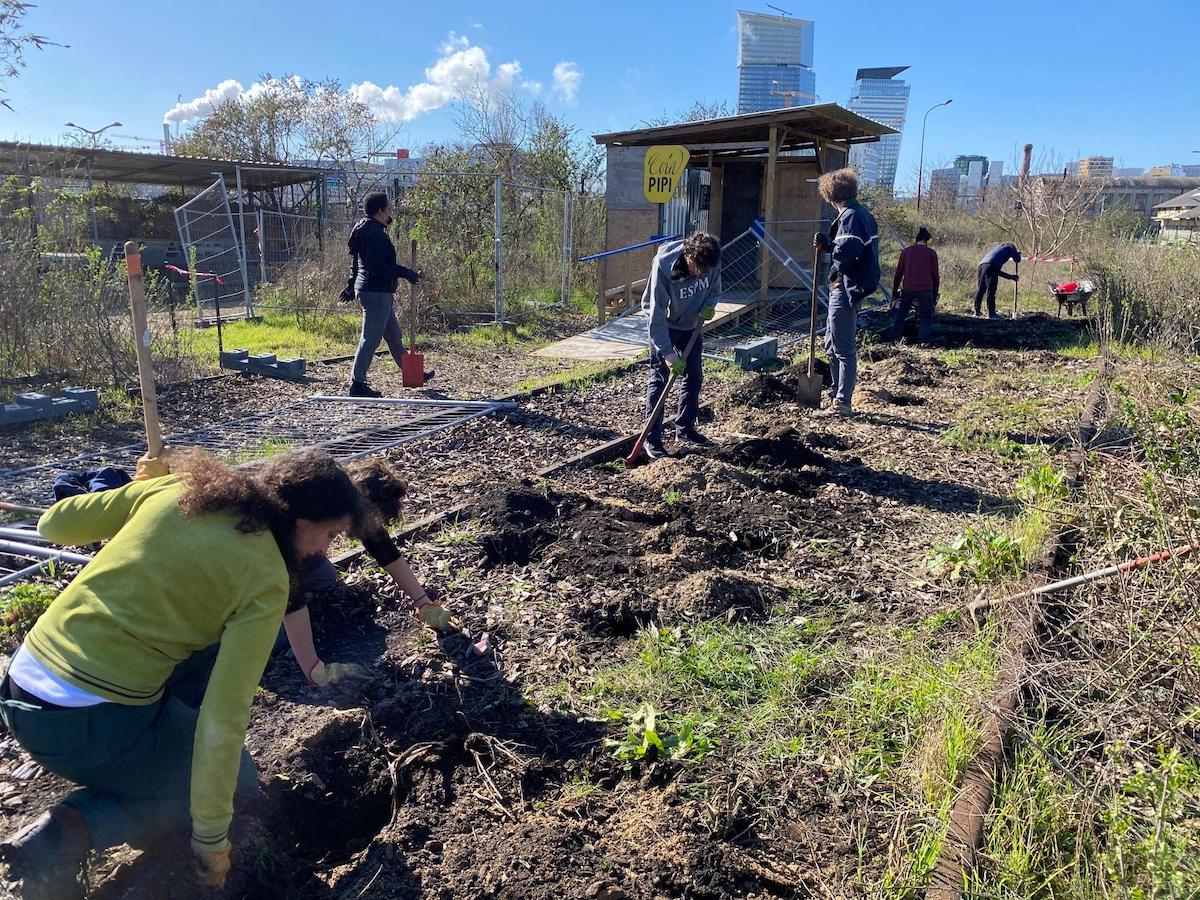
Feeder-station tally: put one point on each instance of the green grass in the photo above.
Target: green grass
(268, 448)
(576, 378)
(1008, 427)
(281, 334)
(20, 607)
(458, 534)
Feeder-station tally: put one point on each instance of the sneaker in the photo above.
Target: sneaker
(47, 855)
(654, 451)
(977, 314)
(362, 389)
(839, 410)
(692, 436)
(995, 316)
(429, 373)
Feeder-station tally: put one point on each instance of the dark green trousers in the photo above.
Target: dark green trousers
(133, 763)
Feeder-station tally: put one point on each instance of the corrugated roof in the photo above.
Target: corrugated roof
(1186, 200)
(129, 167)
(823, 121)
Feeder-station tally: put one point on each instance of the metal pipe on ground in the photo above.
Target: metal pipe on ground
(16, 548)
(405, 401)
(21, 534)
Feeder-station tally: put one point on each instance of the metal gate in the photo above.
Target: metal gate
(215, 256)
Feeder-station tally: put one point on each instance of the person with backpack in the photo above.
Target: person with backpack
(917, 282)
(374, 276)
(853, 241)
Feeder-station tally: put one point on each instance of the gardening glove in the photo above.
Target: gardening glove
(821, 241)
(678, 367)
(410, 275)
(211, 868)
(707, 313)
(323, 675)
(434, 615)
(153, 466)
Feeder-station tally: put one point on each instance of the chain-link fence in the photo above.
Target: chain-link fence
(216, 263)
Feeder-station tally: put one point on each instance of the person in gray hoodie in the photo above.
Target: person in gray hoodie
(681, 293)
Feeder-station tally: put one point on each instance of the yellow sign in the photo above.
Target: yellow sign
(662, 169)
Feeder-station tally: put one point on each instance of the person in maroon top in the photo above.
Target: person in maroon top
(916, 282)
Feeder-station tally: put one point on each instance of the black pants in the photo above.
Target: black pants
(689, 392)
(989, 276)
(925, 302)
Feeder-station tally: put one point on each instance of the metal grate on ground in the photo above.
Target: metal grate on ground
(346, 427)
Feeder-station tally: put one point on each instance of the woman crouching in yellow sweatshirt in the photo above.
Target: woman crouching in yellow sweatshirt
(112, 688)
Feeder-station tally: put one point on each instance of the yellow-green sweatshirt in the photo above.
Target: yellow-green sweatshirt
(164, 587)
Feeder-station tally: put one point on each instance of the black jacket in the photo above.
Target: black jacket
(373, 265)
(855, 239)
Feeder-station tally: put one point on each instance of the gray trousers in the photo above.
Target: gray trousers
(840, 328)
(378, 323)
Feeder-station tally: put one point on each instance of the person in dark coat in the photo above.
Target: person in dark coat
(917, 282)
(374, 275)
(991, 268)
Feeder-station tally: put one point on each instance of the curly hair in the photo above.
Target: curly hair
(703, 250)
(382, 489)
(840, 186)
(304, 484)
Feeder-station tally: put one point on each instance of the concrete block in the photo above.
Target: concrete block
(37, 401)
(16, 413)
(87, 398)
(753, 354)
(262, 359)
(237, 360)
(292, 367)
(63, 406)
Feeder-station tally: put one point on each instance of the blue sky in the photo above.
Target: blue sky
(1072, 77)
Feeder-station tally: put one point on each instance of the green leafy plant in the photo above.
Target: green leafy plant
(980, 555)
(20, 607)
(647, 736)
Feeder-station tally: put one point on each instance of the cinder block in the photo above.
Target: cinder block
(87, 398)
(262, 359)
(753, 354)
(15, 413)
(37, 401)
(292, 367)
(237, 360)
(63, 406)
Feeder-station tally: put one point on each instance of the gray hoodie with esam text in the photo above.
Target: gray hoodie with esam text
(674, 297)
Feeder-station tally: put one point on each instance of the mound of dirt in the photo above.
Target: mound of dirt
(716, 593)
(780, 448)
(516, 523)
(901, 370)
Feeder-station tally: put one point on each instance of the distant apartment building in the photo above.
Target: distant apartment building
(878, 95)
(1162, 172)
(1128, 172)
(775, 62)
(1189, 171)
(1096, 167)
(944, 185)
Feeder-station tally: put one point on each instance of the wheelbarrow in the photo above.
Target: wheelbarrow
(1079, 296)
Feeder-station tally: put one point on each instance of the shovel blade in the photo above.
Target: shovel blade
(808, 390)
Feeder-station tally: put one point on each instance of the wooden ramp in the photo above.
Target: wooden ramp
(626, 336)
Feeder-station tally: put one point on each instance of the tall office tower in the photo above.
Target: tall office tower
(1096, 167)
(879, 95)
(775, 58)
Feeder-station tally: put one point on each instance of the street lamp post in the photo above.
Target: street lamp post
(95, 136)
(921, 164)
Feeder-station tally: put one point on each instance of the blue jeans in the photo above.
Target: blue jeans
(925, 303)
(840, 328)
(378, 323)
(689, 392)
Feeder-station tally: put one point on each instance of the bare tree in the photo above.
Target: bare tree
(697, 112)
(15, 40)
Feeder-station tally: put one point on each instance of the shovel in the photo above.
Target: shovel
(412, 363)
(808, 388)
(632, 459)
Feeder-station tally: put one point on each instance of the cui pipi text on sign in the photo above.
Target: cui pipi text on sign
(662, 169)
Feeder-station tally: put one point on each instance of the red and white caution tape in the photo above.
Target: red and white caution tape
(186, 274)
(1050, 259)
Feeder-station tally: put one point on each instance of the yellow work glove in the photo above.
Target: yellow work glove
(435, 616)
(211, 868)
(707, 313)
(324, 675)
(153, 466)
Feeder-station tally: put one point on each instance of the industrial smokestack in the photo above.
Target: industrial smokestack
(1026, 159)
(166, 138)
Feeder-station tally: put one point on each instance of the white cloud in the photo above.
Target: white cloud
(567, 79)
(230, 89)
(203, 105)
(533, 87)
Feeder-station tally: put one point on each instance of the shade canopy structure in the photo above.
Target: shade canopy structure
(795, 128)
(127, 167)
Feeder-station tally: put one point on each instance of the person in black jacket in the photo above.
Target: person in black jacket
(853, 240)
(991, 268)
(374, 275)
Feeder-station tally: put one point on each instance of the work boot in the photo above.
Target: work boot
(995, 315)
(654, 451)
(840, 410)
(47, 855)
(429, 373)
(362, 389)
(692, 436)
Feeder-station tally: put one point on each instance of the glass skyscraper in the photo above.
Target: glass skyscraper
(775, 58)
(880, 96)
